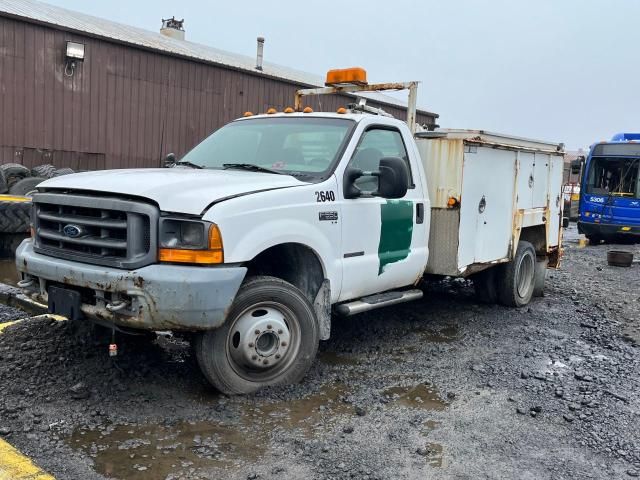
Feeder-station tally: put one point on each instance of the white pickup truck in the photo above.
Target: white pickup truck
(274, 222)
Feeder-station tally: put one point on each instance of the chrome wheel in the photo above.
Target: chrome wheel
(263, 341)
(525, 274)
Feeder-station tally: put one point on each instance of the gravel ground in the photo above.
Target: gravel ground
(440, 388)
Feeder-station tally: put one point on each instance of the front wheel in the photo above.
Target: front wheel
(270, 338)
(594, 239)
(517, 282)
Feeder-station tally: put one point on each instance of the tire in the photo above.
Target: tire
(594, 239)
(540, 278)
(47, 170)
(4, 188)
(485, 287)
(63, 171)
(14, 172)
(233, 357)
(516, 281)
(26, 187)
(15, 217)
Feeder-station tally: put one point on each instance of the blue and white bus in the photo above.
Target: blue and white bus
(610, 192)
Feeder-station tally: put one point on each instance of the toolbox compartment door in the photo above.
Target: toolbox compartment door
(486, 209)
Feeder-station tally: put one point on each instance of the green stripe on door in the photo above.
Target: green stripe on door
(395, 232)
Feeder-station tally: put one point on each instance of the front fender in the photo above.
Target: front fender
(252, 224)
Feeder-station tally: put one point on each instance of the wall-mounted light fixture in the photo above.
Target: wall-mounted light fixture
(73, 55)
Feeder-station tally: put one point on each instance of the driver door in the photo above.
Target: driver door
(384, 241)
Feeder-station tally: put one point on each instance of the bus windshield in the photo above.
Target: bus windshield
(614, 176)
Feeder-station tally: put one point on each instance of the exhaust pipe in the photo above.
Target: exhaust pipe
(259, 54)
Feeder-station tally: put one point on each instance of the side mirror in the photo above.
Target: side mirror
(576, 166)
(393, 178)
(170, 160)
(350, 177)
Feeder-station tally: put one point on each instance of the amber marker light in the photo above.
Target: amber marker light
(341, 110)
(288, 110)
(248, 114)
(307, 110)
(271, 111)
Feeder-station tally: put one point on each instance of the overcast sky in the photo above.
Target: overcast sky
(559, 70)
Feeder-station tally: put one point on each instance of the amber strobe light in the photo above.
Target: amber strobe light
(213, 254)
(346, 76)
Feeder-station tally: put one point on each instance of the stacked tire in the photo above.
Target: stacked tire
(16, 179)
(20, 182)
(14, 215)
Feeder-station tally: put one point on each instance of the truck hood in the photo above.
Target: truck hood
(183, 190)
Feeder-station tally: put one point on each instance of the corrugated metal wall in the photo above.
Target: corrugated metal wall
(123, 107)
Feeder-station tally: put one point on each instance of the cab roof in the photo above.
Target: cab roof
(350, 115)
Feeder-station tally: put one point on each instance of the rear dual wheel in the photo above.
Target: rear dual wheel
(517, 282)
(514, 283)
(270, 338)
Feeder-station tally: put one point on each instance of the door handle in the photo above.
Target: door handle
(419, 213)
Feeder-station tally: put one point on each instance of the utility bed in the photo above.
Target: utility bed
(484, 189)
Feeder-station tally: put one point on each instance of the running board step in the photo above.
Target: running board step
(377, 301)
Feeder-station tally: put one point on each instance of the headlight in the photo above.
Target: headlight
(182, 234)
(190, 241)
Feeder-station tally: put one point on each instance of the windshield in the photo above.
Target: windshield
(614, 176)
(304, 147)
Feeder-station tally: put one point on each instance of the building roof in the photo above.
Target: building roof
(38, 12)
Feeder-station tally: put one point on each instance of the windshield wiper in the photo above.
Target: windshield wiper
(189, 164)
(251, 167)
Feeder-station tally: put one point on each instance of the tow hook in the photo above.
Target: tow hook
(116, 306)
(26, 283)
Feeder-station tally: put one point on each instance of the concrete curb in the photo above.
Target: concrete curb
(14, 297)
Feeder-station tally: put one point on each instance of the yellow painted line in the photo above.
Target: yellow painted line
(13, 198)
(8, 324)
(58, 318)
(15, 466)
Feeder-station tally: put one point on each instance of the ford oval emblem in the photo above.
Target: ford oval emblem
(72, 231)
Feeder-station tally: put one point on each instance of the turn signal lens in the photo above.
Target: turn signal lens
(452, 202)
(346, 76)
(215, 238)
(206, 257)
(307, 110)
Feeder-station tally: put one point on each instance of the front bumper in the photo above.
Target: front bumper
(157, 297)
(607, 230)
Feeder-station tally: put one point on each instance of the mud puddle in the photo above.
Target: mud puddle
(421, 396)
(433, 453)
(337, 359)
(196, 449)
(8, 272)
(143, 452)
(444, 335)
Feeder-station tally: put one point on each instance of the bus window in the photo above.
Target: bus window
(614, 176)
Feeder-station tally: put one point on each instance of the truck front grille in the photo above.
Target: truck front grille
(100, 230)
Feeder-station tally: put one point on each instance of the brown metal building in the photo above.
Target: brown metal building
(134, 97)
